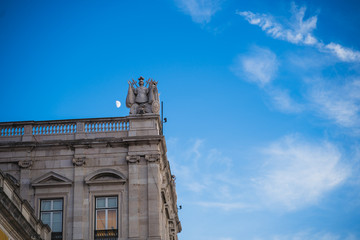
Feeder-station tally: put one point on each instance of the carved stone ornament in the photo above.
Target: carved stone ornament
(25, 163)
(79, 161)
(143, 99)
(152, 157)
(132, 158)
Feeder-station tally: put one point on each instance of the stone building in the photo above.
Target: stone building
(103, 178)
(17, 218)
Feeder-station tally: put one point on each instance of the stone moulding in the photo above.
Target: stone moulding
(133, 158)
(79, 161)
(105, 176)
(25, 163)
(51, 179)
(152, 157)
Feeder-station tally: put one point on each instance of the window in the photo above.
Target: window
(51, 213)
(106, 211)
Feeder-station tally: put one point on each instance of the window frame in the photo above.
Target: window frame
(54, 235)
(107, 233)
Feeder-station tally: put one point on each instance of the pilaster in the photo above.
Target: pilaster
(154, 191)
(133, 179)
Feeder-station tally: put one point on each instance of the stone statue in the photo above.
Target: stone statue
(143, 99)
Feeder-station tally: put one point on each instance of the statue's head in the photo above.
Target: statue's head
(141, 81)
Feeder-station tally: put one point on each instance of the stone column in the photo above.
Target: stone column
(154, 198)
(133, 194)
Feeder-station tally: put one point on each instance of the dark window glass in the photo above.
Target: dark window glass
(51, 213)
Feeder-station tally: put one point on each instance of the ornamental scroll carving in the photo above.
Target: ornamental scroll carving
(25, 163)
(133, 158)
(143, 99)
(79, 161)
(152, 157)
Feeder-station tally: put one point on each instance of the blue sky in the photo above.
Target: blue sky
(262, 100)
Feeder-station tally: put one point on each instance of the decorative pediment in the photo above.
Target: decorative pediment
(51, 179)
(105, 176)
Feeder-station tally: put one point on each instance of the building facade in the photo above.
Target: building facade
(104, 178)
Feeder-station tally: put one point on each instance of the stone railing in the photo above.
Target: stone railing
(64, 129)
(21, 212)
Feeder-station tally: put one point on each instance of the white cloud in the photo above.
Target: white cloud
(224, 206)
(345, 54)
(282, 101)
(200, 11)
(259, 66)
(338, 103)
(299, 173)
(308, 234)
(298, 31)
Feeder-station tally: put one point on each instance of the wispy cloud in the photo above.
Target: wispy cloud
(299, 173)
(345, 54)
(283, 101)
(201, 11)
(259, 66)
(298, 30)
(308, 234)
(294, 173)
(224, 205)
(214, 181)
(338, 103)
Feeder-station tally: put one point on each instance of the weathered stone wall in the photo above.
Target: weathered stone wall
(95, 157)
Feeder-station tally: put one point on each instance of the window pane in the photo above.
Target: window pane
(45, 205)
(100, 219)
(57, 222)
(45, 217)
(100, 202)
(112, 219)
(112, 202)
(57, 204)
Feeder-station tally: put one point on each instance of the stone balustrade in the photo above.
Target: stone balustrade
(20, 210)
(64, 129)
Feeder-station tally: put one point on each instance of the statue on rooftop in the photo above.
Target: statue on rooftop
(143, 99)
